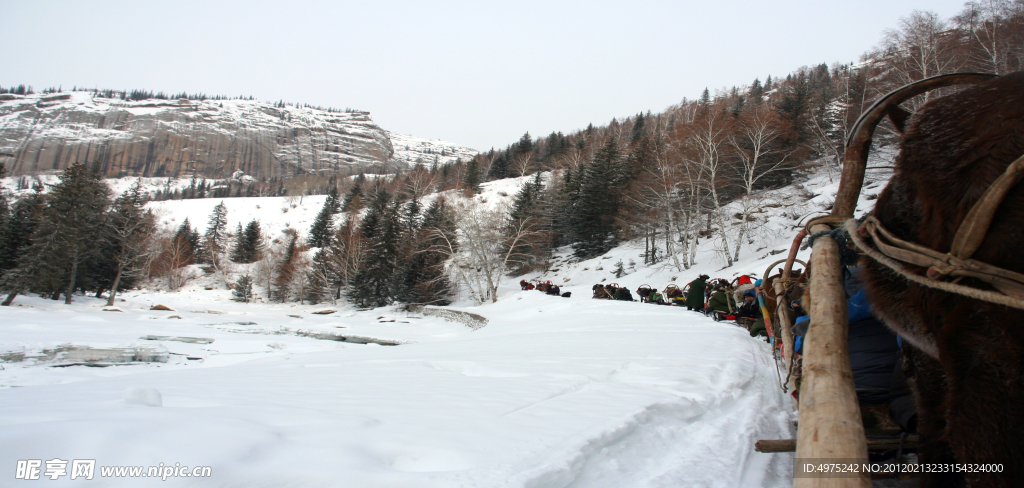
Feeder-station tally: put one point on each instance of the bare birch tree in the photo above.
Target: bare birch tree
(707, 139)
(521, 163)
(485, 250)
(754, 140)
(922, 46)
(985, 21)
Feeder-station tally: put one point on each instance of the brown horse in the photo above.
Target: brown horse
(964, 356)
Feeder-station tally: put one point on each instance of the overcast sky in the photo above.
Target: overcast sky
(478, 73)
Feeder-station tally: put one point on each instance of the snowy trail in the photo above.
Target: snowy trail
(552, 393)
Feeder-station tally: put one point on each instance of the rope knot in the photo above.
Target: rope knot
(847, 255)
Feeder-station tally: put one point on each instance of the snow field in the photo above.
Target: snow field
(552, 392)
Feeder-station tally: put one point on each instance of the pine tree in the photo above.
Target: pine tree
(320, 232)
(186, 240)
(286, 268)
(500, 166)
(64, 245)
(10, 243)
(377, 282)
(249, 244)
(794, 109)
(471, 178)
(320, 277)
(426, 280)
(619, 270)
(705, 103)
(638, 129)
(558, 206)
(215, 238)
(239, 238)
(524, 145)
(527, 219)
(756, 92)
(641, 158)
(334, 267)
(600, 196)
(15, 237)
(16, 233)
(353, 200)
(411, 215)
(129, 227)
(243, 289)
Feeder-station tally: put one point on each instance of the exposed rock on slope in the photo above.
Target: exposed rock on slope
(213, 138)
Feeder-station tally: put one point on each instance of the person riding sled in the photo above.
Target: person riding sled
(721, 301)
(656, 297)
(750, 311)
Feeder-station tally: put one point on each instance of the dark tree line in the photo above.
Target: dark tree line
(74, 238)
(394, 252)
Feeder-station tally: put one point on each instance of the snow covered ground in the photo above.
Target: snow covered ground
(552, 392)
(415, 151)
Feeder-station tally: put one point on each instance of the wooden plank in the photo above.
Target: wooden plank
(789, 445)
(830, 425)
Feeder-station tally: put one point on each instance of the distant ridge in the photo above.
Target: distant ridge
(211, 138)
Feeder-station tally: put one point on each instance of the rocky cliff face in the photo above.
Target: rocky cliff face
(169, 138)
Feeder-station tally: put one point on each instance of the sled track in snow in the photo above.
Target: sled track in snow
(684, 431)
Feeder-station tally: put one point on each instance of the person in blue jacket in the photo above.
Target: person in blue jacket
(874, 350)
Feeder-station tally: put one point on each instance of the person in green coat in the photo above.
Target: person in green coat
(721, 301)
(695, 297)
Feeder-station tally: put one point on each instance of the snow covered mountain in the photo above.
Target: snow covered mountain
(42, 133)
(415, 151)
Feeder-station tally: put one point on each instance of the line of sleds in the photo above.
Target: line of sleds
(671, 295)
(735, 300)
(544, 286)
(718, 298)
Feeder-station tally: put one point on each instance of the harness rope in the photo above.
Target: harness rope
(852, 227)
(871, 237)
(876, 241)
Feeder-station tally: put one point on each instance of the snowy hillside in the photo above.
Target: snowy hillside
(550, 392)
(786, 211)
(415, 151)
(19, 186)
